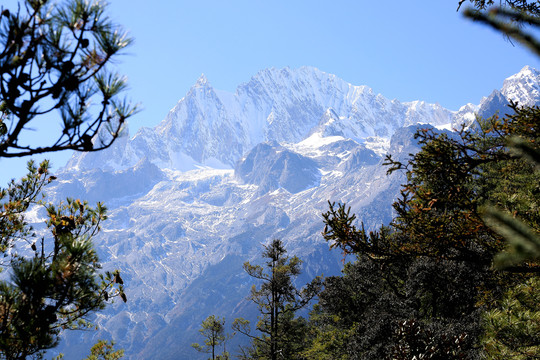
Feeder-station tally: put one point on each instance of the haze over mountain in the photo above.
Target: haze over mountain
(196, 196)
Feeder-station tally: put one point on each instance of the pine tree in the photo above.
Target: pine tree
(213, 331)
(467, 193)
(278, 300)
(436, 258)
(56, 57)
(104, 350)
(513, 328)
(54, 281)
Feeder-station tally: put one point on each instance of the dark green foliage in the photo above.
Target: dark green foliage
(358, 310)
(281, 332)
(419, 288)
(57, 57)
(54, 282)
(364, 309)
(425, 286)
(415, 341)
(513, 196)
(524, 242)
(513, 329)
(54, 57)
(438, 208)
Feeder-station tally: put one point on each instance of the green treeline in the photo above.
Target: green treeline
(424, 287)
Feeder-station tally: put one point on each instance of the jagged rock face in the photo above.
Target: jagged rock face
(523, 87)
(361, 157)
(270, 167)
(215, 128)
(496, 103)
(112, 188)
(198, 195)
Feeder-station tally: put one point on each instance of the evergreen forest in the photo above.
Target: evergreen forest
(453, 276)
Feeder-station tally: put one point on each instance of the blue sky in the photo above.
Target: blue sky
(408, 50)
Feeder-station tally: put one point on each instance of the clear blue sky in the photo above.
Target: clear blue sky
(408, 50)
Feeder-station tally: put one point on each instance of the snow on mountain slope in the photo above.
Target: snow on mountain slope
(223, 174)
(523, 87)
(214, 128)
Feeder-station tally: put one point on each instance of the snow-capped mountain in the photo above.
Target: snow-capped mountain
(213, 128)
(197, 195)
(523, 87)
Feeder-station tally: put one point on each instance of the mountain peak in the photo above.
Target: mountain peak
(527, 74)
(202, 81)
(287, 105)
(523, 87)
(528, 71)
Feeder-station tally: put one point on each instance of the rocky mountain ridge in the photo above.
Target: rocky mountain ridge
(213, 128)
(193, 198)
